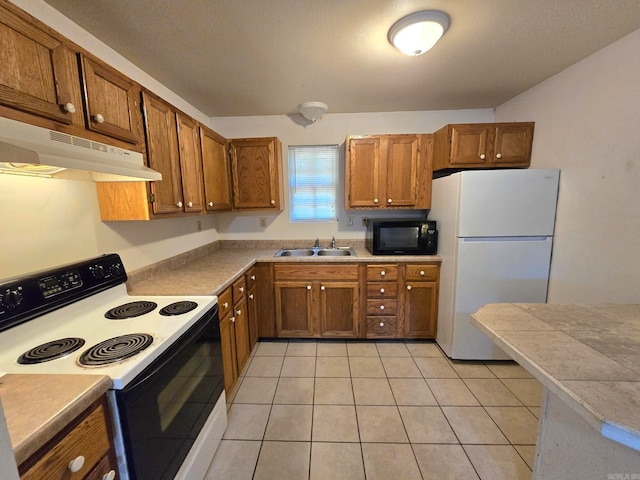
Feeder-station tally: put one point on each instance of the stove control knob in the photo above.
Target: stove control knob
(12, 298)
(98, 271)
(116, 270)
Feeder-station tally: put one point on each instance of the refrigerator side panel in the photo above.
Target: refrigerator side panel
(496, 270)
(445, 198)
(508, 203)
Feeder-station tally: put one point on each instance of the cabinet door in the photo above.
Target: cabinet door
(512, 144)
(420, 309)
(252, 313)
(255, 173)
(294, 309)
(338, 309)
(110, 100)
(215, 167)
(241, 323)
(402, 170)
(190, 164)
(362, 172)
(468, 145)
(229, 362)
(38, 74)
(162, 154)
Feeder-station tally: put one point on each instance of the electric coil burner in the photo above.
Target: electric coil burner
(50, 351)
(162, 354)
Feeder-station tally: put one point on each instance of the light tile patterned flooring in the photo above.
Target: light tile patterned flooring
(306, 410)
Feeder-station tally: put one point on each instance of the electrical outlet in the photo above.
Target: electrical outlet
(263, 222)
(349, 221)
(199, 225)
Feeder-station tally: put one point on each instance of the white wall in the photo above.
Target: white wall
(588, 125)
(331, 129)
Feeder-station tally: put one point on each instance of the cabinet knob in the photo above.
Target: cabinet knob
(210, 204)
(272, 202)
(238, 312)
(498, 155)
(241, 289)
(225, 304)
(189, 204)
(109, 476)
(382, 290)
(98, 118)
(253, 277)
(179, 204)
(422, 273)
(375, 200)
(76, 464)
(381, 307)
(233, 319)
(408, 287)
(482, 156)
(69, 107)
(322, 288)
(308, 287)
(382, 324)
(389, 201)
(251, 297)
(383, 273)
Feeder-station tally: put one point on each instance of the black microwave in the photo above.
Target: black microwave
(401, 237)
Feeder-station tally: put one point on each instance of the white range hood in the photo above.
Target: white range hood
(30, 150)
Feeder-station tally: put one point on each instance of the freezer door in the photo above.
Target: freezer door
(495, 270)
(508, 203)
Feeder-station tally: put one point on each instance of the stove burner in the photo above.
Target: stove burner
(130, 310)
(50, 351)
(178, 308)
(115, 349)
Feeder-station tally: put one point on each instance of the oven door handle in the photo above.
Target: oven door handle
(186, 339)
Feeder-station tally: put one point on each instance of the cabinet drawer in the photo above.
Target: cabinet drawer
(312, 271)
(102, 469)
(382, 272)
(382, 290)
(89, 439)
(382, 306)
(251, 278)
(381, 327)
(239, 289)
(225, 303)
(422, 272)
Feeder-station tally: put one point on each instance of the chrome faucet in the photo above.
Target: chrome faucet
(317, 244)
(333, 242)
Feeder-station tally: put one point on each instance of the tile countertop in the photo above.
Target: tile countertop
(37, 407)
(210, 271)
(588, 355)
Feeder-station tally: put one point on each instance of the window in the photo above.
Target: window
(313, 182)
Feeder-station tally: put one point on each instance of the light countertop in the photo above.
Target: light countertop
(588, 355)
(37, 407)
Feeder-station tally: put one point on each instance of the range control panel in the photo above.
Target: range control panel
(24, 298)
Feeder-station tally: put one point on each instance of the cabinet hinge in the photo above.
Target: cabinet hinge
(152, 198)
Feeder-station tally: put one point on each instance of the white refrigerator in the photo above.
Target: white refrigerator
(495, 235)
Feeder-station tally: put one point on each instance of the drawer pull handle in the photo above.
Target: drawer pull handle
(179, 204)
(322, 288)
(233, 319)
(273, 202)
(210, 204)
(422, 273)
(389, 200)
(241, 289)
(383, 273)
(225, 304)
(238, 312)
(189, 204)
(109, 476)
(382, 324)
(251, 297)
(253, 277)
(381, 307)
(98, 118)
(69, 107)
(498, 155)
(375, 200)
(76, 464)
(482, 156)
(408, 287)
(382, 290)
(308, 287)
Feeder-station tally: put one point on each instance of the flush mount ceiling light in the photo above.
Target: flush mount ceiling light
(418, 32)
(313, 110)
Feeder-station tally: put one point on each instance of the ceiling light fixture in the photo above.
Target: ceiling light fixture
(418, 32)
(313, 110)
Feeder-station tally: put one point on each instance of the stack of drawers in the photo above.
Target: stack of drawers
(382, 301)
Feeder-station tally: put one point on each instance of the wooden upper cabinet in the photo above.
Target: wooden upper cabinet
(111, 101)
(215, 167)
(483, 145)
(190, 164)
(388, 171)
(38, 74)
(162, 154)
(256, 173)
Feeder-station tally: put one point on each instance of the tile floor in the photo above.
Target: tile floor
(306, 410)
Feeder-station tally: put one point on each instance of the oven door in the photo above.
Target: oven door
(164, 408)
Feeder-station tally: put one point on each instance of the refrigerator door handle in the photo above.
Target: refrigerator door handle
(503, 239)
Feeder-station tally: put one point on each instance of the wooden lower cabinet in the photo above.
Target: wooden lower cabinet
(251, 279)
(419, 301)
(87, 436)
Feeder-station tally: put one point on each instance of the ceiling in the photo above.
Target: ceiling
(264, 57)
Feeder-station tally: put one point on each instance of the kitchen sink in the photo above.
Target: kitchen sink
(316, 252)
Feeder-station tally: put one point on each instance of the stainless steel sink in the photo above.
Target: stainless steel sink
(316, 252)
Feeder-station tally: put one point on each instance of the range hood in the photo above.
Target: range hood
(29, 150)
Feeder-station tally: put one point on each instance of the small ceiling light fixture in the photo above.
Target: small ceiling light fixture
(418, 32)
(313, 110)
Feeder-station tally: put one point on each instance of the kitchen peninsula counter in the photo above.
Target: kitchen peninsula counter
(212, 268)
(37, 407)
(588, 359)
